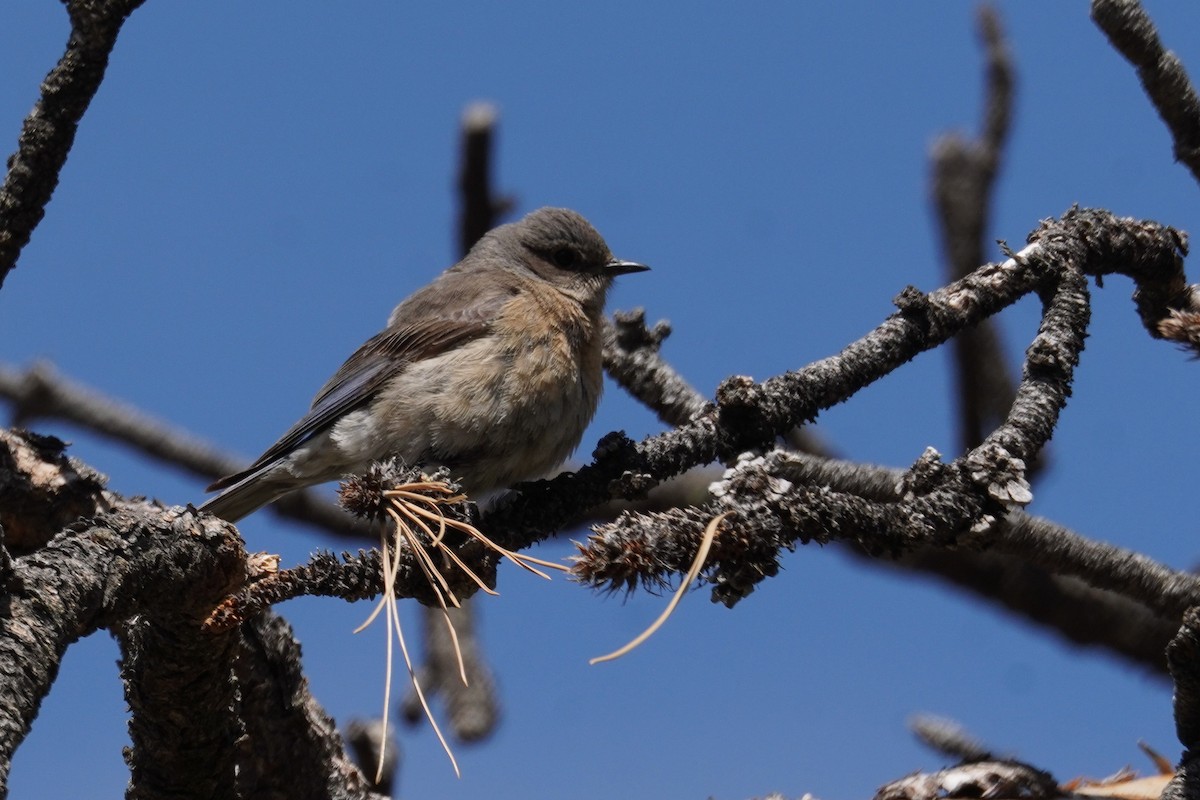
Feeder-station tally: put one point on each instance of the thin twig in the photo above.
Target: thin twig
(964, 176)
(949, 738)
(49, 130)
(41, 392)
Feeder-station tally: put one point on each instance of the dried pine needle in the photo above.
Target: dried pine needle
(710, 533)
(411, 513)
(431, 511)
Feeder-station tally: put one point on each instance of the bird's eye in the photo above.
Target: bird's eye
(565, 258)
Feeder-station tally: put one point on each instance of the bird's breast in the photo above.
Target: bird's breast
(503, 408)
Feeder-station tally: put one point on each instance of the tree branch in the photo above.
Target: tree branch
(1184, 658)
(964, 177)
(41, 392)
(1131, 31)
(166, 569)
(290, 741)
(49, 130)
(1072, 608)
(748, 415)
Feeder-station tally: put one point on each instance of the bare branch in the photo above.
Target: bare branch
(166, 569)
(1184, 658)
(49, 130)
(368, 740)
(964, 172)
(290, 741)
(975, 779)
(949, 738)
(41, 392)
(632, 359)
(749, 416)
(480, 209)
(1131, 31)
(964, 176)
(1059, 550)
(1072, 609)
(1068, 606)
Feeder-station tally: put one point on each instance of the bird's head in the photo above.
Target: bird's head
(562, 248)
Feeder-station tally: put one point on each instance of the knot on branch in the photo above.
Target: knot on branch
(44, 490)
(927, 473)
(617, 448)
(1002, 474)
(935, 319)
(914, 304)
(632, 485)
(751, 542)
(751, 476)
(175, 564)
(744, 412)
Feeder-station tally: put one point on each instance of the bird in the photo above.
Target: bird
(493, 370)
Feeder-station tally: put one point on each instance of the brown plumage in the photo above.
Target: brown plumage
(492, 370)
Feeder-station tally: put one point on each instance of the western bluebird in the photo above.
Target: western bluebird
(492, 370)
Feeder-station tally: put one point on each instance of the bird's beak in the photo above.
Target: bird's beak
(619, 267)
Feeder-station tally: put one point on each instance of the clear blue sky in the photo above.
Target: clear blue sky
(257, 184)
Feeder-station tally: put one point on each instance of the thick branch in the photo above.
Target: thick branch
(152, 576)
(290, 741)
(43, 490)
(164, 567)
(1184, 658)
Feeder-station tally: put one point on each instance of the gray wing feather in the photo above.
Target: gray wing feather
(420, 328)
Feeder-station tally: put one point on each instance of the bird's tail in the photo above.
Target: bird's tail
(244, 494)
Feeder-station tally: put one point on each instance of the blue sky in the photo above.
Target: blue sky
(256, 185)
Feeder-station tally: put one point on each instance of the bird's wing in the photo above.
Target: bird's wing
(411, 337)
